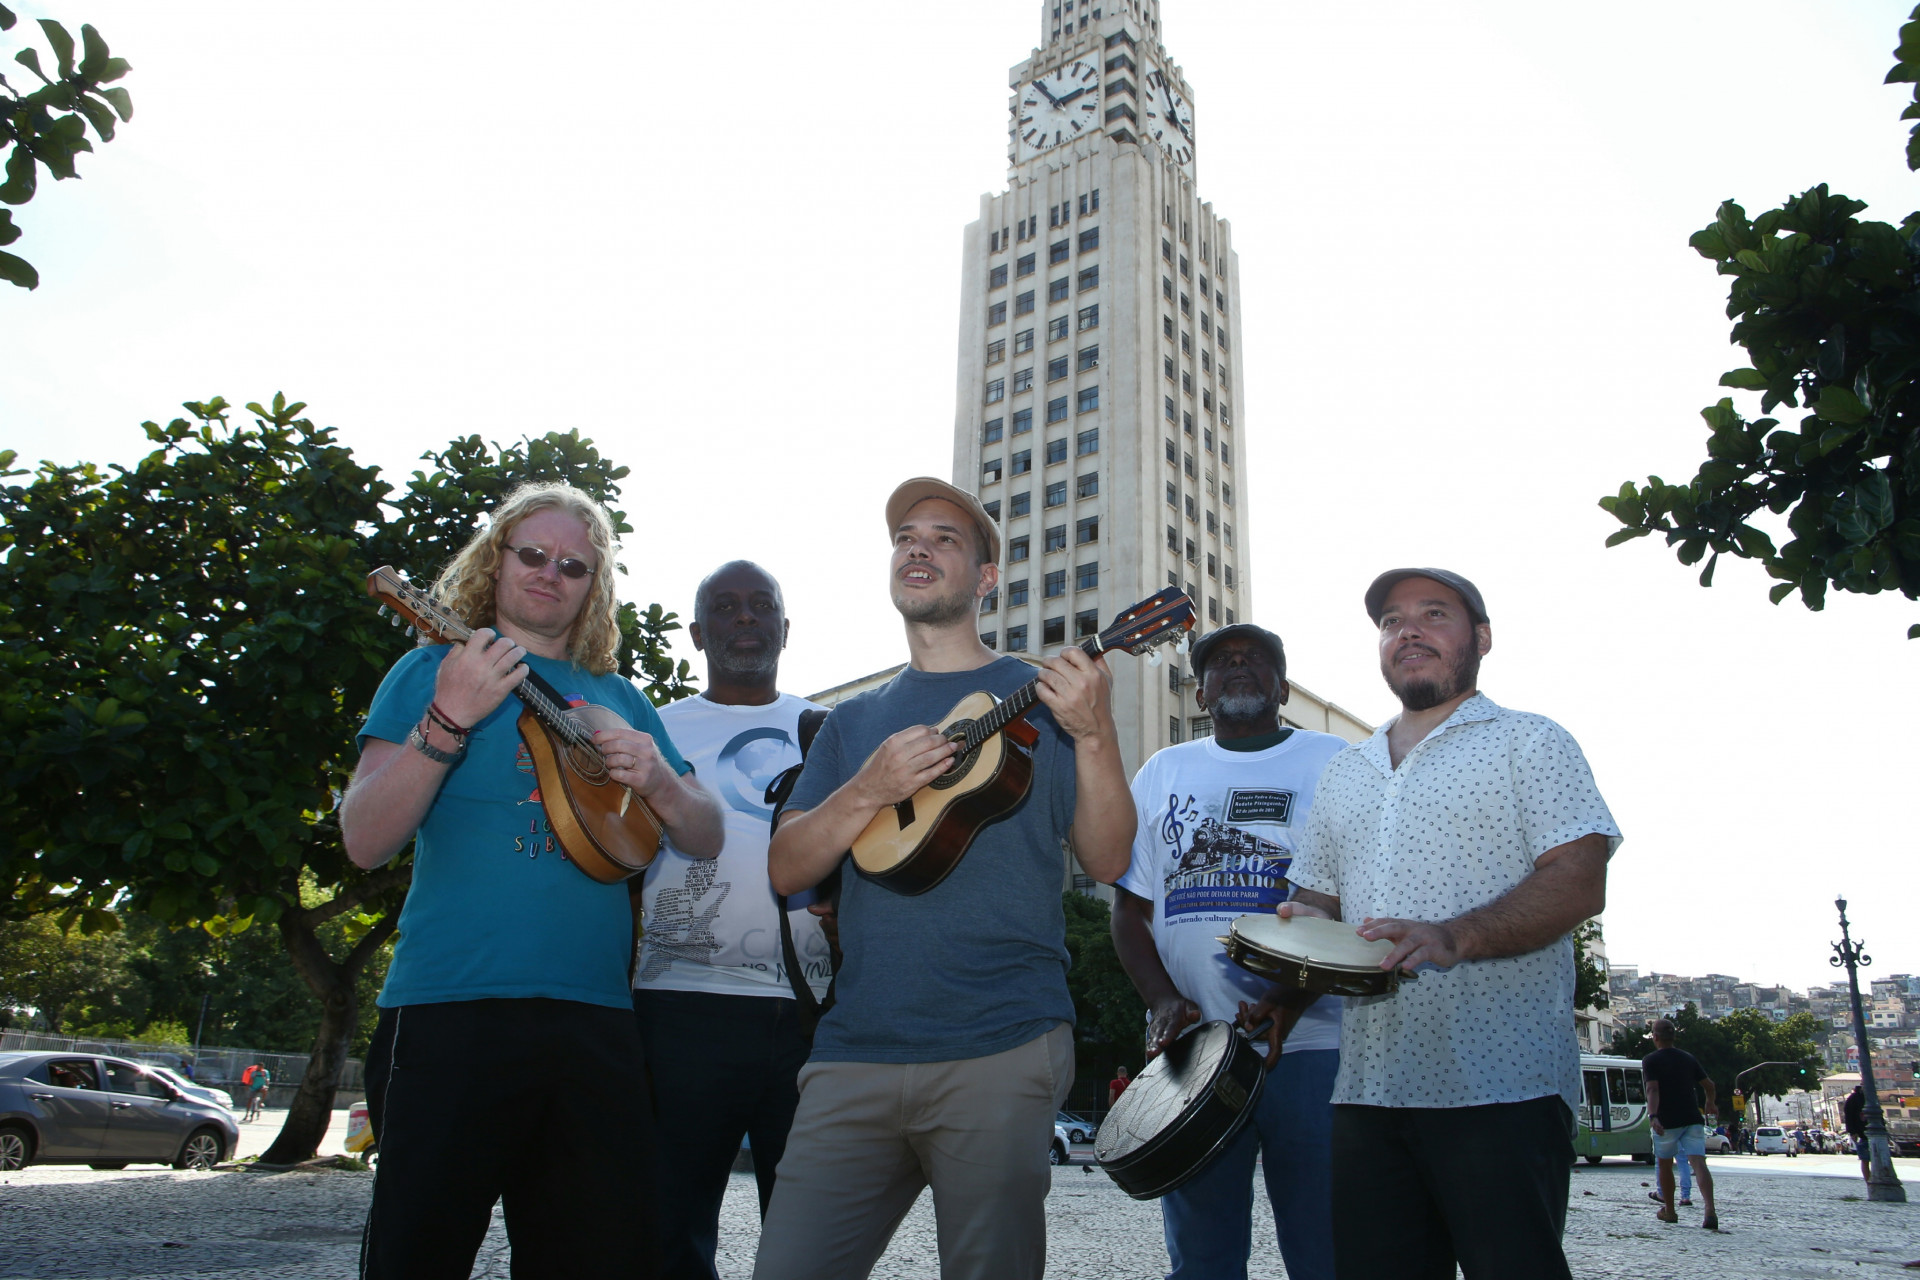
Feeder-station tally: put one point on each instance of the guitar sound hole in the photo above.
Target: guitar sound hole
(962, 765)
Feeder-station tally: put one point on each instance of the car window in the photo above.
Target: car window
(124, 1077)
(73, 1073)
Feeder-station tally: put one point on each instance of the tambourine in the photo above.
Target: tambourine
(1181, 1111)
(1311, 954)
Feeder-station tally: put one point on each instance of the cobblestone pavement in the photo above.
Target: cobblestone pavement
(1789, 1219)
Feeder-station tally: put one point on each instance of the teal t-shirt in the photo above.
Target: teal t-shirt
(496, 910)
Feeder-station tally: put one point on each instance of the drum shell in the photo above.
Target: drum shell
(1309, 975)
(1185, 1144)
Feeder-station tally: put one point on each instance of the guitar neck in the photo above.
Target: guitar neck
(536, 693)
(1015, 704)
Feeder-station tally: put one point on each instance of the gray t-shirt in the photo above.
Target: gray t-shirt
(978, 964)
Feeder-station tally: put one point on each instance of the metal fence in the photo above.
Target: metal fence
(215, 1066)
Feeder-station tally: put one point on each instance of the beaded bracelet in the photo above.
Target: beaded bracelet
(445, 721)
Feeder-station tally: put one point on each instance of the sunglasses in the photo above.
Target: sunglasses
(535, 558)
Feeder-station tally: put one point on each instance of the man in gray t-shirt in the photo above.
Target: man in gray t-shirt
(950, 1044)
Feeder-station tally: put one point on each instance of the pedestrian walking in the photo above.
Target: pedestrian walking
(1679, 1128)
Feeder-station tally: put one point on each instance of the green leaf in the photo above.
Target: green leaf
(1782, 591)
(8, 231)
(6, 18)
(174, 831)
(1837, 404)
(1744, 379)
(206, 865)
(62, 45)
(18, 271)
(98, 114)
(1913, 632)
(94, 56)
(1625, 535)
(1706, 574)
(30, 59)
(122, 102)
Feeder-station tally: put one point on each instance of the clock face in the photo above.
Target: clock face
(1169, 120)
(1057, 108)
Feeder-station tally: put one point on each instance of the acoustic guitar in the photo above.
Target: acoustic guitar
(603, 827)
(912, 846)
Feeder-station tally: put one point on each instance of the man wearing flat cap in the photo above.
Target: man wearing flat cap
(1218, 821)
(1472, 839)
(950, 1045)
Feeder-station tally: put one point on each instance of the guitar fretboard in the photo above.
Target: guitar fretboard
(1013, 706)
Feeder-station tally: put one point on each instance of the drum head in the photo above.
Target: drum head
(1320, 942)
(1166, 1090)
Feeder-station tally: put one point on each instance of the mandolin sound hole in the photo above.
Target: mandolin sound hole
(962, 765)
(585, 761)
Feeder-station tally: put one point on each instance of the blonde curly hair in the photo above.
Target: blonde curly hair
(466, 585)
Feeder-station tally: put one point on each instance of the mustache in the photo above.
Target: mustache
(1414, 646)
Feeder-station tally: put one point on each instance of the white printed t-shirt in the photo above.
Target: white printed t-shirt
(713, 924)
(1456, 826)
(1216, 840)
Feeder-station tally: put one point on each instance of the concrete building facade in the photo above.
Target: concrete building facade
(1098, 383)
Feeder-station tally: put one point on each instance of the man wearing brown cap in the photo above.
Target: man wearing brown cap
(950, 1045)
(1473, 839)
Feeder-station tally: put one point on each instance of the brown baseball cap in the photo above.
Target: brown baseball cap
(920, 488)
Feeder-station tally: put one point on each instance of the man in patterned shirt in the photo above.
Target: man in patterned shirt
(1473, 839)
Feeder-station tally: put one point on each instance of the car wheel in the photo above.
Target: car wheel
(1056, 1154)
(1080, 1135)
(203, 1150)
(16, 1148)
(1593, 1159)
(118, 1164)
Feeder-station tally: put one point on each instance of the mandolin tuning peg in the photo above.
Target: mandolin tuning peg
(411, 633)
(1184, 646)
(1153, 659)
(383, 611)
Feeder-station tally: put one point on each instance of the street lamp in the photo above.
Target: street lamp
(1882, 1182)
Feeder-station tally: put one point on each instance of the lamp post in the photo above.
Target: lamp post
(1882, 1182)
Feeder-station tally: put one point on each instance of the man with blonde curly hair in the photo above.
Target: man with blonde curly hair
(508, 1064)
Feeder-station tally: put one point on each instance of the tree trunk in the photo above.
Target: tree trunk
(333, 983)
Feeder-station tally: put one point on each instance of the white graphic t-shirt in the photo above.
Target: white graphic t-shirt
(1216, 840)
(713, 924)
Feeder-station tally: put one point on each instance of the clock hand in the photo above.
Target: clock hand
(1041, 85)
(1061, 102)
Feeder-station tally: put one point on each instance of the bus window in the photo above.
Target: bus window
(1617, 1086)
(1596, 1089)
(1636, 1094)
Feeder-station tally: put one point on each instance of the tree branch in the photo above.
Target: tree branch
(354, 894)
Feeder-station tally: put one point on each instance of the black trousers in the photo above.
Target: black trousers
(722, 1067)
(540, 1104)
(1417, 1190)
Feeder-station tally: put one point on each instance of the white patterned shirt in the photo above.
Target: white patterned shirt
(1460, 823)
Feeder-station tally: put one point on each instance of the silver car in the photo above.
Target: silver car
(85, 1108)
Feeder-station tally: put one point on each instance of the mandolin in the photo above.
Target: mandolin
(912, 846)
(602, 826)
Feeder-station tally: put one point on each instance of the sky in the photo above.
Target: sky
(724, 243)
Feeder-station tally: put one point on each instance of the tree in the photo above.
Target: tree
(1827, 308)
(1589, 975)
(48, 126)
(186, 652)
(1728, 1046)
(1110, 1020)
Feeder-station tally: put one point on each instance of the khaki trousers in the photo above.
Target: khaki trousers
(869, 1135)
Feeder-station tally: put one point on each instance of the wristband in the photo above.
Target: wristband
(418, 741)
(445, 721)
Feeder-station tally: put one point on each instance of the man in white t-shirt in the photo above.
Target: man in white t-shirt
(716, 1008)
(1217, 822)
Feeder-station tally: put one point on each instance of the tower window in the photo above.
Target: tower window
(1173, 495)
(1023, 341)
(1022, 305)
(1022, 421)
(1059, 250)
(997, 278)
(996, 351)
(1089, 239)
(990, 471)
(1057, 368)
(996, 314)
(1087, 530)
(1057, 492)
(1087, 486)
(1016, 593)
(996, 390)
(1090, 317)
(1086, 577)
(1024, 266)
(1086, 623)
(1021, 504)
(1089, 399)
(1057, 328)
(1056, 585)
(1057, 290)
(1173, 540)
(1054, 630)
(1017, 549)
(1087, 442)
(1090, 279)
(1057, 409)
(988, 638)
(1089, 359)
(1023, 379)
(992, 509)
(1057, 538)
(1017, 639)
(1021, 462)
(990, 433)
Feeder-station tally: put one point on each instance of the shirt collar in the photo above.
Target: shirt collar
(1478, 707)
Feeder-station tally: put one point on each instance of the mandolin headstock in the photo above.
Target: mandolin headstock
(1160, 619)
(415, 607)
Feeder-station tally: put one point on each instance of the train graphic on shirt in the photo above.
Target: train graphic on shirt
(1222, 869)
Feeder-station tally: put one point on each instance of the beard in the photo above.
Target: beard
(1426, 691)
(936, 611)
(746, 666)
(1243, 708)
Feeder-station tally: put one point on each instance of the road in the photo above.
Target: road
(1792, 1219)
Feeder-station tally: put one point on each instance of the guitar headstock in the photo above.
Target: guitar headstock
(1160, 619)
(414, 606)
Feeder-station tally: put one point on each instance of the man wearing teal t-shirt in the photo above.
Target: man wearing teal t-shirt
(510, 960)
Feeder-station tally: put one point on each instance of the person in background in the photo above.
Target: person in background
(1216, 823)
(1679, 1129)
(1117, 1085)
(718, 1012)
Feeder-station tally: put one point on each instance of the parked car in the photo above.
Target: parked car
(217, 1097)
(1770, 1140)
(86, 1108)
(1079, 1128)
(1718, 1143)
(1059, 1152)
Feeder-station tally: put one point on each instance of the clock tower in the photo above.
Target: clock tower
(1098, 384)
